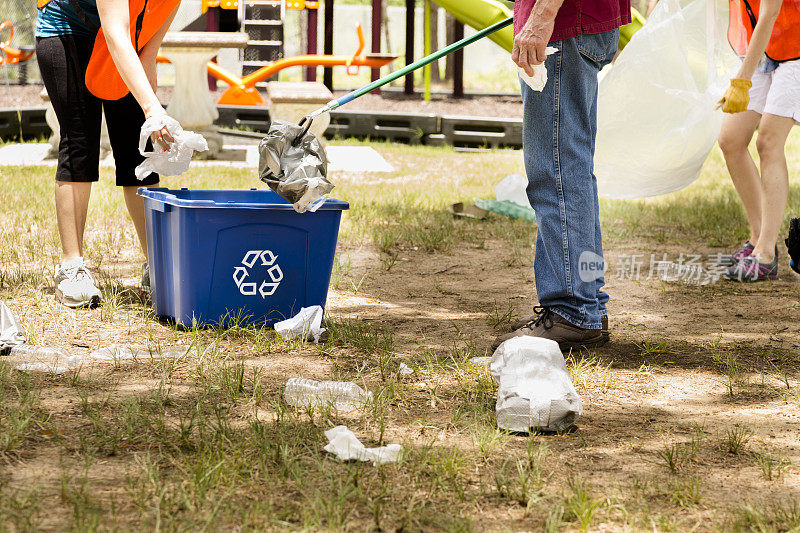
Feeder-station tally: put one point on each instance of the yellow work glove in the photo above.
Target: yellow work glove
(737, 96)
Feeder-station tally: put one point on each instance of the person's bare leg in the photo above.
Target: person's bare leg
(135, 206)
(772, 133)
(734, 139)
(72, 203)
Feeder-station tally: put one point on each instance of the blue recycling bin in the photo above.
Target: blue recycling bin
(243, 257)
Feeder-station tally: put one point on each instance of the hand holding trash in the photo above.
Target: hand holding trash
(737, 96)
(161, 138)
(175, 158)
(538, 79)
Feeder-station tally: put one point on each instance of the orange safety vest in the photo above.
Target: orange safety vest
(784, 43)
(102, 77)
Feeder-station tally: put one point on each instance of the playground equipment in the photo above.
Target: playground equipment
(479, 14)
(349, 97)
(626, 32)
(11, 55)
(242, 91)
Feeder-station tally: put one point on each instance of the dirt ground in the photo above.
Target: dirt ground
(658, 383)
(691, 412)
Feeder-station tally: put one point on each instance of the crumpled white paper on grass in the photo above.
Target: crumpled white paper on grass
(539, 78)
(11, 333)
(345, 445)
(304, 325)
(173, 161)
(534, 387)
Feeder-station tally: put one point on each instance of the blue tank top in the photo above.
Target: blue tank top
(59, 17)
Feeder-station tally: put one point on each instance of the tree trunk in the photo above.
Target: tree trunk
(436, 75)
(385, 24)
(450, 29)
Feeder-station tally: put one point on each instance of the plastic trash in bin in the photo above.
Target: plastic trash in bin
(534, 387)
(297, 171)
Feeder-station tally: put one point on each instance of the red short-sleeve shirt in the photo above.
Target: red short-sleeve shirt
(579, 17)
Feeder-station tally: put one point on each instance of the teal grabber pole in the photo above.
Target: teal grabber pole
(349, 97)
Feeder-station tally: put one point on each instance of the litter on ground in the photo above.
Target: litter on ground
(345, 445)
(11, 333)
(342, 395)
(304, 325)
(534, 387)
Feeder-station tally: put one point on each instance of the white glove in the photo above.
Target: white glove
(173, 161)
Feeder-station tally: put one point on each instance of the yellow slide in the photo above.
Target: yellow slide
(481, 14)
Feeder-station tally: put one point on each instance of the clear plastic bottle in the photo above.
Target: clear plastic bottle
(44, 358)
(120, 351)
(344, 396)
(33, 352)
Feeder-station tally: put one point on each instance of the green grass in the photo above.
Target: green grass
(207, 442)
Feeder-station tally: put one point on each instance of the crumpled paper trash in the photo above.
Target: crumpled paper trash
(345, 445)
(173, 161)
(11, 333)
(534, 387)
(539, 78)
(307, 323)
(405, 369)
(297, 173)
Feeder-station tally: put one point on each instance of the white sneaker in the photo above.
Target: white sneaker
(75, 286)
(145, 285)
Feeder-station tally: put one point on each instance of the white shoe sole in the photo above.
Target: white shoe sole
(94, 301)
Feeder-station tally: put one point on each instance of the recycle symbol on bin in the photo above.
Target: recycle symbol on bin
(258, 259)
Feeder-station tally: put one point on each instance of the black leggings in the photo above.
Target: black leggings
(62, 62)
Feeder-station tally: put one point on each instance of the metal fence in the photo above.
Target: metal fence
(22, 14)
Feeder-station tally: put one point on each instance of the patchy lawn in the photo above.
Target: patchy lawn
(691, 412)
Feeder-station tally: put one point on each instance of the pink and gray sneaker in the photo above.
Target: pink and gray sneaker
(744, 251)
(749, 269)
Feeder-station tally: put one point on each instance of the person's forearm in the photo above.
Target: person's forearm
(131, 69)
(767, 15)
(545, 10)
(149, 53)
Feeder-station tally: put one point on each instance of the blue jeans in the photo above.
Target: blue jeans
(558, 139)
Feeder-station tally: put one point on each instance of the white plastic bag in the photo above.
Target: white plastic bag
(513, 188)
(346, 446)
(175, 160)
(539, 78)
(656, 121)
(307, 323)
(534, 387)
